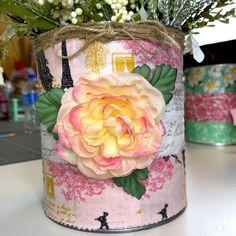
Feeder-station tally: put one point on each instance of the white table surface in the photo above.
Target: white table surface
(211, 189)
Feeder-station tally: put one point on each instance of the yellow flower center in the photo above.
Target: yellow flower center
(211, 85)
(233, 71)
(198, 72)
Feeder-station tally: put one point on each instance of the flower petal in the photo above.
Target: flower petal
(76, 115)
(108, 162)
(126, 167)
(109, 148)
(143, 162)
(89, 168)
(63, 136)
(110, 125)
(66, 154)
(79, 148)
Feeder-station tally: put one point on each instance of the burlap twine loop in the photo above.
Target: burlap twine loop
(151, 31)
(110, 32)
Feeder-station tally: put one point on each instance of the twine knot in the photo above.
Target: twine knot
(152, 31)
(109, 31)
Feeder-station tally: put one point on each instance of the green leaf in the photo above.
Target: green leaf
(163, 78)
(50, 130)
(143, 13)
(132, 184)
(55, 135)
(225, 21)
(143, 70)
(136, 17)
(202, 24)
(31, 18)
(48, 106)
(119, 17)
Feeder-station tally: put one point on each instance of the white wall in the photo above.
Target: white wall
(220, 33)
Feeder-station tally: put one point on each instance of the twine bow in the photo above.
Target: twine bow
(152, 31)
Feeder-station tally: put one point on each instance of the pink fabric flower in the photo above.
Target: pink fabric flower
(110, 125)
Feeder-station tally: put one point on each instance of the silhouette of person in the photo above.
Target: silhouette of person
(163, 212)
(103, 220)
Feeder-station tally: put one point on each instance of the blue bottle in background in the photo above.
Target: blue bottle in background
(30, 95)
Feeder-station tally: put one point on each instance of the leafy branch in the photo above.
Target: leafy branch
(22, 12)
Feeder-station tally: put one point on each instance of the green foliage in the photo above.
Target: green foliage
(204, 13)
(4, 53)
(132, 183)
(182, 14)
(163, 78)
(48, 106)
(22, 12)
(187, 15)
(30, 18)
(143, 70)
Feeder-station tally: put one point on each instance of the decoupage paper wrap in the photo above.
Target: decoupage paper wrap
(77, 201)
(210, 100)
(73, 199)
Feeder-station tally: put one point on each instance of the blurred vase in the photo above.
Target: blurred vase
(210, 103)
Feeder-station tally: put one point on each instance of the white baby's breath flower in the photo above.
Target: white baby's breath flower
(79, 11)
(74, 21)
(133, 6)
(98, 6)
(113, 6)
(125, 12)
(119, 6)
(70, 3)
(73, 14)
(131, 13)
(113, 18)
(41, 2)
(64, 4)
(128, 18)
(123, 17)
(65, 18)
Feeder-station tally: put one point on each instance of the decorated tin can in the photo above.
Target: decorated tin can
(210, 104)
(112, 133)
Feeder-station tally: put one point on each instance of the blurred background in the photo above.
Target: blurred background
(19, 126)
